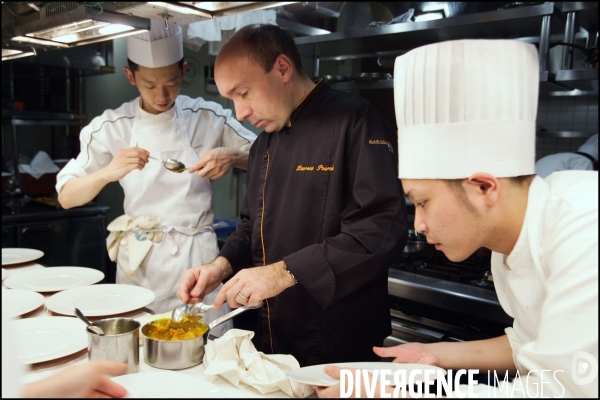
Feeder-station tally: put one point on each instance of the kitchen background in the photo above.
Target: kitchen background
(46, 99)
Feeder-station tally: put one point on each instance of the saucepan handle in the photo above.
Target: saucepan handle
(230, 315)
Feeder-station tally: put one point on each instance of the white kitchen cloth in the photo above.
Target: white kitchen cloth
(137, 234)
(40, 165)
(208, 30)
(234, 357)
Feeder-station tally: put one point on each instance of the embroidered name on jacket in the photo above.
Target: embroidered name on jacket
(385, 142)
(320, 167)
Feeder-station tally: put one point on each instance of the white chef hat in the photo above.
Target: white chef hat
(466, 106)
(158, 47)
(590, 147)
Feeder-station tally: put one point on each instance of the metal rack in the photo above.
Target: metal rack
(532, 23)
(582, 14)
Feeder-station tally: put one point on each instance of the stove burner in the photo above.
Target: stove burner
(474, 271)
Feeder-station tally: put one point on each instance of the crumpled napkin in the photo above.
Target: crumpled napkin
(133, 234)
(40, 165)
(234, 357)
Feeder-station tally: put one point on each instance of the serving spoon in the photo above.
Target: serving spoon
(172, 165)
(190, 310)
(93, 328)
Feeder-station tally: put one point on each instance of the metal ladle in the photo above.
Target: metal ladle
(172, 165)
(190, 310)
(93, 328)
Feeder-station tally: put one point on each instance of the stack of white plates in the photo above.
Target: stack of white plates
(54, 279)
(11, 256)
(100, 300)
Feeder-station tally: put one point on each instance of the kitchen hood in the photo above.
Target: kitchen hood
(67, 24)
(187, 12)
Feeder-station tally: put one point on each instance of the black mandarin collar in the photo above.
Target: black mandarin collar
(306, 103)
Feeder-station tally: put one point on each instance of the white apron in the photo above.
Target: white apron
(182, 205)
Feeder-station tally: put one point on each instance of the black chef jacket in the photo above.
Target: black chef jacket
(323, 195)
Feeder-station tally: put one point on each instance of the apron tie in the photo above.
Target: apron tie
(139, 234)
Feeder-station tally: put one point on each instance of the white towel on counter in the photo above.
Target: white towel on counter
(40, 165)
(137, 234)
(234, 357)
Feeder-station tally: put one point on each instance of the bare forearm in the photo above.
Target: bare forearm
(489, 354)
(79, 191)
(241, 159)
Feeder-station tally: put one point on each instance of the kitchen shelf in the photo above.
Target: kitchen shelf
(378, 84)
(408, 35)
(582, 79)
(563, 134)
(570, 6)
(44, 118)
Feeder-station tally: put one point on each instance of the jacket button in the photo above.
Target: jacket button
(265, 157)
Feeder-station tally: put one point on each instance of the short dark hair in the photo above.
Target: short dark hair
(265, 42)
(459, 190)
(134, 67)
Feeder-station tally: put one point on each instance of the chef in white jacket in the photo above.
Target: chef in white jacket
(167, 226)
(585, 159)
(466, 149)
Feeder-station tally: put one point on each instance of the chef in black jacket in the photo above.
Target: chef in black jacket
(323, 216)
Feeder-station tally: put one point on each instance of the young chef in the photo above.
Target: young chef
(167, 226)
(323, 214)
(466, 120)
(586, 158)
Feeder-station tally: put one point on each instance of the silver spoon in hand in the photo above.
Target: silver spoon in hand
(171, 164)
(181, 311)
(93, 328)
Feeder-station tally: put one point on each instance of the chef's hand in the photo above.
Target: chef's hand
(412, 353)
(336, 390)
(124, 162)
(203, 279)
(216, 162)
(253, 285)
(87, 380)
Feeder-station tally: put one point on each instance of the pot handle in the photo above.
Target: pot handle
(230, 315)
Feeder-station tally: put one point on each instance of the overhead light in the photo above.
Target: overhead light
(78, 26)
(26, 39)
(180, 8)
(222, 8)
(430, 16)
(11, 52)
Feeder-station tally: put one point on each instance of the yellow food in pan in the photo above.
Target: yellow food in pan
(166, 329)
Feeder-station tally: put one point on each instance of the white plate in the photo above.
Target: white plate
(99, 300)
(54, 279)
(48, 338)
(17, 255)
(167, 384)
(315, 376)
(19, 302)
(4, 274)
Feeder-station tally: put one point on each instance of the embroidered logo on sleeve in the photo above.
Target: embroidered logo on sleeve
(384, 142)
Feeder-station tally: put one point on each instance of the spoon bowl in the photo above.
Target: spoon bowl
(172, 164)
(189, 310)
(93, 328)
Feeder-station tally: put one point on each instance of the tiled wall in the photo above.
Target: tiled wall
(565, 113)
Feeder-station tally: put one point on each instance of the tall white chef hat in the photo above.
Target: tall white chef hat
(158, 47)
(466, 106)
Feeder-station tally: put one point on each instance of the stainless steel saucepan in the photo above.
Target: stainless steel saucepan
(180, 354)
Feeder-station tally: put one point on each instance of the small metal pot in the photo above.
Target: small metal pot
(120, 342)
(180, 354)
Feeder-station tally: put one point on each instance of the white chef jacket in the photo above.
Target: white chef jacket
(562, 162)
(184, 217)
(549, 285)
